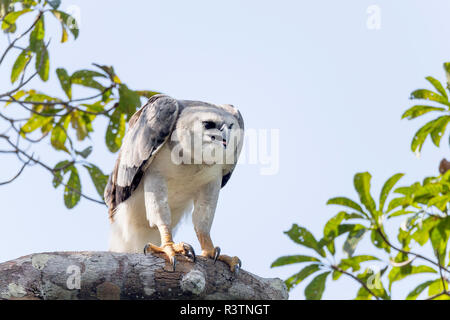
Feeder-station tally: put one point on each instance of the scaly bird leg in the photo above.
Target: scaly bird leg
(169, 247)
(209, 251)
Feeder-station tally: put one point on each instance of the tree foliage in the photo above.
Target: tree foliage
(60, 118)
(423, 207)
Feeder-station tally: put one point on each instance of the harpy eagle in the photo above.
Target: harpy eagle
(175, 157)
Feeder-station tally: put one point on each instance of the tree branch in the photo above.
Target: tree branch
(24, 82)
(113, 276)
(438, 295)
(409, 252)
(11, 45)
(31, 158)
(355, 278)
(17, 174)
(443, 279)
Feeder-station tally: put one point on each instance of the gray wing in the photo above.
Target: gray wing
(149, 129)
(240, 120)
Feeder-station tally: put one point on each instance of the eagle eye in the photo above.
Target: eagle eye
(209, 125)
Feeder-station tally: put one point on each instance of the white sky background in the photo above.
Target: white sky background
(335, 90)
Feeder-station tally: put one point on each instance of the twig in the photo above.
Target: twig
(438, 295)
(11, 45)
(66, 104)
(355, 278)
(22, 82)
(32, 159)
(12, 121)
(54, 103)
(17, 175)
(443, 279)
(409, 252)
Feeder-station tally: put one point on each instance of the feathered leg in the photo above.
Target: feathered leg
(202, 217)
(158, 213)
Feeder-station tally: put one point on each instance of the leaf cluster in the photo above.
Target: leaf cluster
(65, 120)
(423, 207)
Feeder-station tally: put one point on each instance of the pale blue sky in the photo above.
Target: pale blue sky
(312, 69)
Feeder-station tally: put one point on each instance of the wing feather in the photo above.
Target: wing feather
(149, 128)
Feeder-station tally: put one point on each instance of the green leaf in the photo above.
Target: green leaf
(72, 192)
(354, 237)
(97, 107)
(422, 233)
(399, 273)
(354, 262)
(64, 80)
(447, 73)
(363, 294)
(361, 182)
(437, 85)
(398, 213)
(115, 130)
(68, 21)
(429, 95)
(11, 18)
(295, 279)
(439, 202)
(85, 153)
(346, 202)
(19, 66)
(85, 73)
(439, 236)
(57, 179)
(404, 237)
(419, 110)
(26, 3)
(106, 96)
(34, 122)
(285, 260)
(314, 290)
(333, 229)
(80, 123)
(57, 175)
(420, 136)
(418, 290)
(372, 279)
(47, 127)
(39, 97)
(59, 136)
(88, 82)
(387, 187)
(129, 100)
(17, 96)
(86, 78)
(37, 35)
(436, 287)
(302, 236)
(378, 240)
(353, 215)
(98, 178)
(64, 34)
(42, 62)
(397, 202)
(330, 230)
(110, 71)
(336, 275)
(438, 129)
(54, 3)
